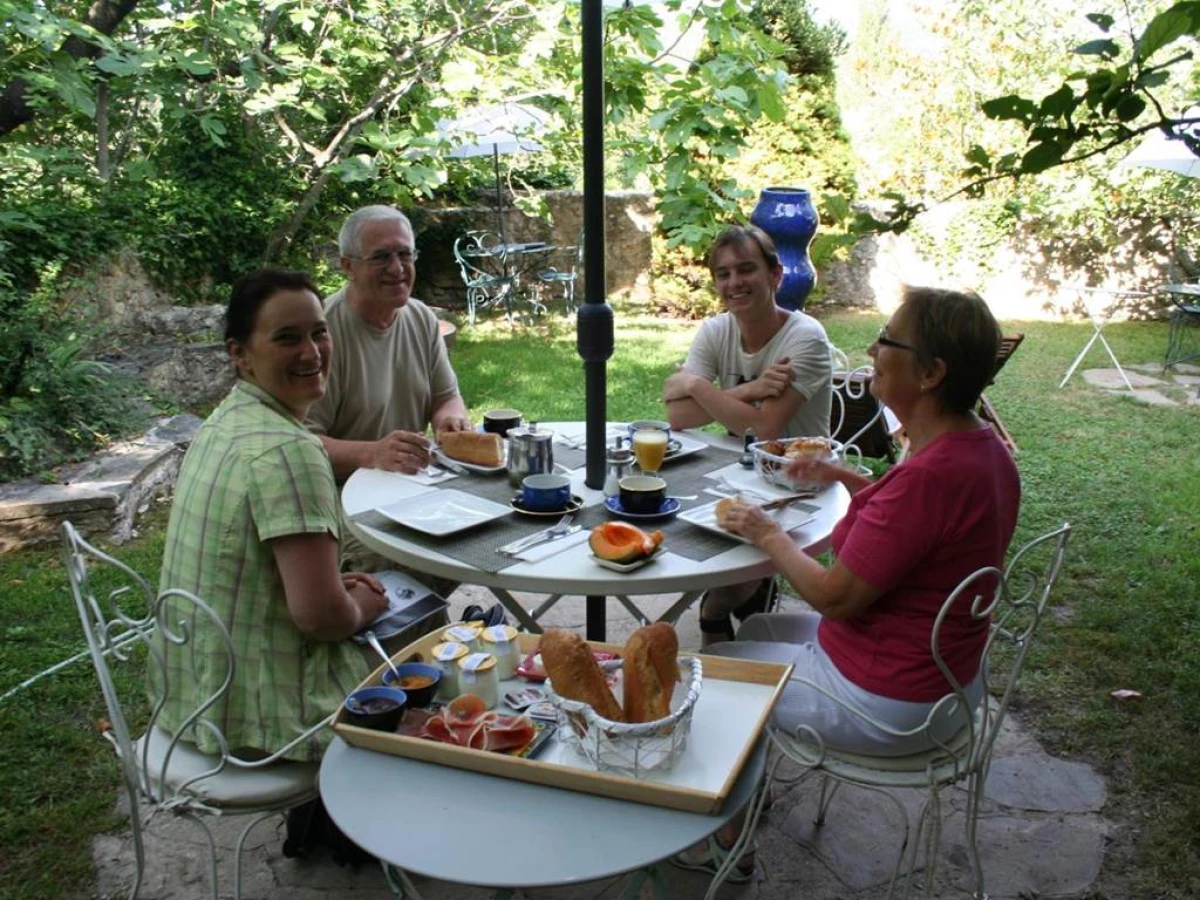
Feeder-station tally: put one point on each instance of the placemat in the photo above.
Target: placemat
(479, 546)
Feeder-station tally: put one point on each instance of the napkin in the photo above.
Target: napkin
(426, 476)
(538, 552)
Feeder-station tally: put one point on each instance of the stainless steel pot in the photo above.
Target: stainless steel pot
(530, 452)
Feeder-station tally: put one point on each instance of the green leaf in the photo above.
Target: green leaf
(979, 156)
(1130, 107)
(1168, 26)
(1010, 106)
(1058, 104)
(1040, 158)
(1103, 47)
(1103, 21)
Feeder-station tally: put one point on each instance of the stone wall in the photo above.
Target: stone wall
(629, 226)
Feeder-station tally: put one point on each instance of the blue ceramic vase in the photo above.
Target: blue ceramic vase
(789, 217)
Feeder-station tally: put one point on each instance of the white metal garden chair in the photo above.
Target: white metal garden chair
(162, 770)
(1015, 600)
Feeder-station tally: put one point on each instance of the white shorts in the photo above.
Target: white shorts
(792, 638)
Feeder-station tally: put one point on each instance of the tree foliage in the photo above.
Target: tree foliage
(215, 136)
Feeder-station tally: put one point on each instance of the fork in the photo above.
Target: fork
(724, 485)
(559, 529)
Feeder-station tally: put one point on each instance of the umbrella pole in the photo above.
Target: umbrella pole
(499, 197)
(594, 320)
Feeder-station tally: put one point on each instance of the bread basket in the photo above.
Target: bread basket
(632, 749)
(772, 467)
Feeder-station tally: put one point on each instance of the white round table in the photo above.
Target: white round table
(476, 829)
(573, 571)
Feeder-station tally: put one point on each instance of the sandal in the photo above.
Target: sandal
(709, 856)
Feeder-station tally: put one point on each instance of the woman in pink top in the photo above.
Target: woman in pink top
(905, 543)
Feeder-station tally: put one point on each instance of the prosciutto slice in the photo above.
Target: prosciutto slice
(466, 722)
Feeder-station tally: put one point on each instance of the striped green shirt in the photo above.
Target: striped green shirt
(253, 473)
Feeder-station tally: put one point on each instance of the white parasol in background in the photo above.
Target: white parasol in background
(1157, 151)
(501, 128)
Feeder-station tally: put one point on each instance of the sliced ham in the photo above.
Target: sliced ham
(466, 722)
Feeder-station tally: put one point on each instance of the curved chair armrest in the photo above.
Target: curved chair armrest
(804, 734)
(278, 755)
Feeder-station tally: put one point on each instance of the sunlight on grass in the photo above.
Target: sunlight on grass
(1127, 610)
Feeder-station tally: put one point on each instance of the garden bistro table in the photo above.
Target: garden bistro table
(1099, 304)
(1183, 340)
(693, 561)
(496, 832)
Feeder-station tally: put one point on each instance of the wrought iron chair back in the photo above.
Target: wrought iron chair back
(162, 770)
(1013, 601)
(481, 263)
(856, 418)
(563, 272)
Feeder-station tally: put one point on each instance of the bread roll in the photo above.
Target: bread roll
(651, 671)
(474, 447)
(724, 505)
(807, 448)
(575, 674)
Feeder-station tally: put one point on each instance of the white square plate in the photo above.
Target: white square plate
(443, 512)
(789, 518)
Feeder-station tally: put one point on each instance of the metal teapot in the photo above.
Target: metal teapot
(530, 452)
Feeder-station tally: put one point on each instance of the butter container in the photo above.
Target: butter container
(464, 633)
(501, 642)
(477, 675)
(446, 657)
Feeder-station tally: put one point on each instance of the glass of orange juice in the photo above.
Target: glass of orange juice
(650, 448)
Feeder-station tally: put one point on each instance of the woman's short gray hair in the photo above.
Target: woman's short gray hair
(348, 238)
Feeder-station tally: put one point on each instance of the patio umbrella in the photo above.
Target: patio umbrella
(1157, 151)
(501, 128)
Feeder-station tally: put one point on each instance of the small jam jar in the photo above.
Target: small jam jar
(462, 633)
(446, 657)
(501, 642)
(477, 675)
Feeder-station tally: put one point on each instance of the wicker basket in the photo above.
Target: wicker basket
(632, 749)
(773, 469)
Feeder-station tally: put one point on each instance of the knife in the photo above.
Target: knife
(786, 501)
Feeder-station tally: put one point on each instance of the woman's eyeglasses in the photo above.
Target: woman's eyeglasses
(884, 341)
(383, 258)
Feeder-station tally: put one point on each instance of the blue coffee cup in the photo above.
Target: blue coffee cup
(546, 493)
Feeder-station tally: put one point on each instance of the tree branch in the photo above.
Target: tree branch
(104, 16)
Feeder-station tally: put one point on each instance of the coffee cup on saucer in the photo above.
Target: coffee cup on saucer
(547, 493)
(642, 495)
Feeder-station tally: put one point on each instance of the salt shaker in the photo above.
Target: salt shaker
(620, 463)
(747, 457)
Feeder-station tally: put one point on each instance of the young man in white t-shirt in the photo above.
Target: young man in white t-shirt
(756, 367)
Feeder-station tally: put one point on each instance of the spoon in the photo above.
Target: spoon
(378, 648)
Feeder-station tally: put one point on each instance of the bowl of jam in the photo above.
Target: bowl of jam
(380, 708)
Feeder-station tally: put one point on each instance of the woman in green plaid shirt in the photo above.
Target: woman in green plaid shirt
(254, 531)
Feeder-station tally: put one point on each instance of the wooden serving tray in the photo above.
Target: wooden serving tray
(735, 702)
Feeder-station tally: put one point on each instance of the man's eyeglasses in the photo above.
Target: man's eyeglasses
(884, 341)
(383, 258)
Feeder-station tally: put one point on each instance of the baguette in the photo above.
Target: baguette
(575, 674)
(475, 447)
(651, 671)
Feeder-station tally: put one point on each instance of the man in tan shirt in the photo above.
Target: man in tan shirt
(390, 377)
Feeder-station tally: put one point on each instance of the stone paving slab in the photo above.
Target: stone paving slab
(1041, 832)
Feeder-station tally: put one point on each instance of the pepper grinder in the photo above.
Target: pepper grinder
(620, 463)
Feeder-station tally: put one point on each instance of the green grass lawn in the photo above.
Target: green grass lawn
(1127, 615)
